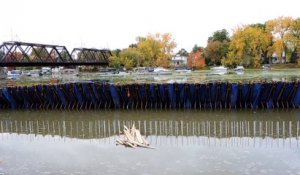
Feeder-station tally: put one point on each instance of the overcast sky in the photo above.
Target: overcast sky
(116, 23)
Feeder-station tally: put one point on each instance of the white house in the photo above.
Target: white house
(178, 60)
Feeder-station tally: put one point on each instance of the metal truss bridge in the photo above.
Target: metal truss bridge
(21, 54)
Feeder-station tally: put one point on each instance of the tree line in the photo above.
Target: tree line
(275, 41)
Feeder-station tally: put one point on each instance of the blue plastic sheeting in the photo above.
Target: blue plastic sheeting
(78, 95)
(9, 98)
(190, 97)
(158, 96)
(223, 91)
(61, 96)
(32, 96)
(162, 95)
(124, 92)
(89, 95)
(265, 93)
(153, 97)
(180, 95)
(96, 95)
(172, 96)
(142, 95)
(50, 99)
(278, 92)
(245, 95)
(3, 101)
(297, 98)
(197, 96)
(115, 96)
(24, 95)
(202, 95)
(234, 95)
(68, 92)
(286, 94)
(106, 93)
(255, 95)
(212, 94)
(17, 97)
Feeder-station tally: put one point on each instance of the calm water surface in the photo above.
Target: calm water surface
(187, 142)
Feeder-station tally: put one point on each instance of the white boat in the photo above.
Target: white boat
(57, 70)
(161, 71)
(26, 73)
(14, 73)
(46, 71)
(266, 67)
(239, 68)
(220, 70)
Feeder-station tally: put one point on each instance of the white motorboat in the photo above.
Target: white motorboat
(46, 71)
(239, 68)
(14, 73)
(266, 67)
(161, 71)
(220, 70)
(26, 73)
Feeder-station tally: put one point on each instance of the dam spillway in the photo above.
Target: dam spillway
(102, 95)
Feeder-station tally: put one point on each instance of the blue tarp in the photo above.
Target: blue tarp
(234, 95)
(9, 98)
(115, 96)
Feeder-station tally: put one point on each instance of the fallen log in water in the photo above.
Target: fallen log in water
(133, 138)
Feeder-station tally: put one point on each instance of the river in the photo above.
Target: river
(185, 141)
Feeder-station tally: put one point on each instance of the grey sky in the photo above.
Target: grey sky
(116, 23)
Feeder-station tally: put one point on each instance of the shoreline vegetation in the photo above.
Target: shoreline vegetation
(275, 42)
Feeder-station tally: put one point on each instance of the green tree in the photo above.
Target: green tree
(182, 52)
(219, 35)
(217, 47)
(127, 58)
(116, 52)
(215, 51)
(197, 48)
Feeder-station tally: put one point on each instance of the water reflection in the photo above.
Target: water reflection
(177, 128)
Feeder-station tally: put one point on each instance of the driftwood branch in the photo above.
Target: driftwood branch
(133, 138)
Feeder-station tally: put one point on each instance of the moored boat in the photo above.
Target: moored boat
(219, 70)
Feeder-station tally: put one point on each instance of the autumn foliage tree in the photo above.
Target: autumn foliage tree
(152, 50)
(247, 46)
(196, 59)
(156, 49)
(280, 29)
(217, 47)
